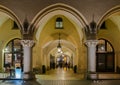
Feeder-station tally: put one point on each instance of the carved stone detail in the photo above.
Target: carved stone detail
(27, 43)
(91, 43)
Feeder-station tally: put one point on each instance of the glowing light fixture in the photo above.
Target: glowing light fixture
(59, 47)
(18, 73)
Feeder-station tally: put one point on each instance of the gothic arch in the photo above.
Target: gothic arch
(11, 15)
(107, 14)
(71, 13)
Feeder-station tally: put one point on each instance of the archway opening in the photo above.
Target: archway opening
(69, 24)
(13, 31)
(105, 56)
(110, 30)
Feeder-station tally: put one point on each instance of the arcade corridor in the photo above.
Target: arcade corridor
(43, 41)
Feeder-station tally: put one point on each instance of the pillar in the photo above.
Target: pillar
(27, 58)
(91, 59)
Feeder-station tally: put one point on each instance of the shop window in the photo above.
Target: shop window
(13, 54)
(105, 56)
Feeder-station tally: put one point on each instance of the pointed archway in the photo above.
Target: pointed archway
(11, 23)
(109, 28)
(73, 32)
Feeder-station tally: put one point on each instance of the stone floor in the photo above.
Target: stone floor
(61, 74)
(61, 77)
(60, 82)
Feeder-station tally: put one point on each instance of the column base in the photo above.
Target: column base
(92, 76)
(29, 76)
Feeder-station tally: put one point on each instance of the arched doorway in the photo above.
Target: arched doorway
(60, 61)
(109, 29)
(105, 56)
(13, 55)
(10, 27)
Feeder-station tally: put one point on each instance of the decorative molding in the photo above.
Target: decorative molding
(27, 43)
(90, 43)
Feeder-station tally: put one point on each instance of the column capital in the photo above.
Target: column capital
(91, 43)
(27, 43)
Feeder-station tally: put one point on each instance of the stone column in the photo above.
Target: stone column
(91, 59)
(27, 58)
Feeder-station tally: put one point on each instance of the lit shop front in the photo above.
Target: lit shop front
(13, 58)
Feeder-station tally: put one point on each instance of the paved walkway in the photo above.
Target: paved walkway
(61, 74)
(60, 77)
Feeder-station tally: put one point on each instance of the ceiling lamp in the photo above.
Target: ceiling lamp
(59, 47)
